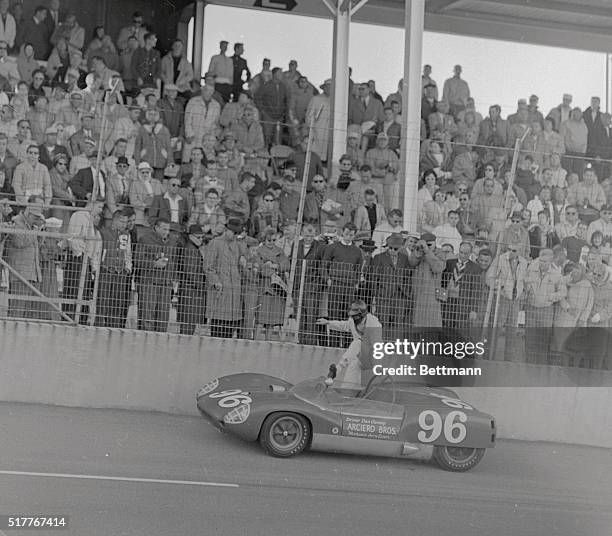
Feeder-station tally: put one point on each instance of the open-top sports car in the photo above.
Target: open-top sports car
(389, 417)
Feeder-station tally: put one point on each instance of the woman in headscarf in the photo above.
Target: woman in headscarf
(26, 64)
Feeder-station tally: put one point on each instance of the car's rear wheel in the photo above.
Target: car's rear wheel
(458, 459)
(285, 434)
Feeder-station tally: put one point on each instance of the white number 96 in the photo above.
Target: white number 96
(431, 421)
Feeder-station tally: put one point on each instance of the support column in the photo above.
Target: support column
(411, 109)
(198, 39)
(607, 102)
(340, 86)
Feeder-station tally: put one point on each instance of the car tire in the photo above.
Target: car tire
(458, 459)
(285, 434)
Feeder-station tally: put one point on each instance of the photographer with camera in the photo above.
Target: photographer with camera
(428, 264)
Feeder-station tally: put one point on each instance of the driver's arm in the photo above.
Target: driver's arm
(339, 325)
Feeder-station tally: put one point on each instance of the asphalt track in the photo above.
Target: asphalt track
(143, 474)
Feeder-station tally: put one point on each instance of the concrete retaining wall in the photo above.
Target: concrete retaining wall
(87, 367)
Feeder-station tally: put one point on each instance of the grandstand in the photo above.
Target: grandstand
(136, 192)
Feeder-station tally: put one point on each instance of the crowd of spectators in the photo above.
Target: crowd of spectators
(183, 195)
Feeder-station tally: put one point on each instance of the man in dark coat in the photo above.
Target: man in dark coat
(35, 32)
(170, 206)
(156, 259)
(390, 276)
(240, 67)
(115, 273)
(192, 290)
(460, 278)
(82, 184)
(310, 252)
(272, 100)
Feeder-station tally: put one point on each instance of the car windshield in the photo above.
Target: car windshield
(317, 391)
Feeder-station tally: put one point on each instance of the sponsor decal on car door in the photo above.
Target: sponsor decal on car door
(371, 427)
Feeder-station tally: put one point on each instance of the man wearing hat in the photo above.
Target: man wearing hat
(225, 261)
(50, 149)
(142, 192)
(390, 276)
(118, 187)
(192, 277)
(428, 266)
(86, 132)
(353, 146)
(23, 254)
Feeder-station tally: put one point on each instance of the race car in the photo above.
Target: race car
(389, 417)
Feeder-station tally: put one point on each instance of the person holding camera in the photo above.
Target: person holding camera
(428, 264)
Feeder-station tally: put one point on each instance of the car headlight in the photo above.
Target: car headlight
(238, 415)
(208, 388)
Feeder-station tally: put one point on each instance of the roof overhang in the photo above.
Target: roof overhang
(579, 24)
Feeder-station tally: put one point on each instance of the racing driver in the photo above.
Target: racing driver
(356, 362)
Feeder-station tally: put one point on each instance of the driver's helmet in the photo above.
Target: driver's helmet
(358, 311)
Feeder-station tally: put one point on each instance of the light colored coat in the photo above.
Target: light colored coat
(185, 72)
(222, 265)
(319, 108)
(426, 278)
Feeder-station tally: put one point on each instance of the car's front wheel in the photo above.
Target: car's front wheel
(285, 434)
(458, 459)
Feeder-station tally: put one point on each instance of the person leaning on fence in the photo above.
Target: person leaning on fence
(225, 262)
(460, 279)
(192, 293)
(389, 276)
(508, 274)
(355, 366)
(156, 258)
(310, 252)
(428, 266)
(115, 273)
(22, 253)
(544, 287)
(82, 256)
(341, 270)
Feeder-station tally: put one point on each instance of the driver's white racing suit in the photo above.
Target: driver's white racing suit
(358, 356)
